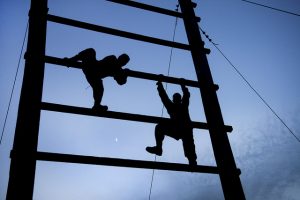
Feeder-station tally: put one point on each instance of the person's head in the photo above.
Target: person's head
(176, 98)
(123, 59)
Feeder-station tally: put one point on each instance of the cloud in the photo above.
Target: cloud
(269, 158)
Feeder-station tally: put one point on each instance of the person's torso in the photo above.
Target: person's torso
(102, 68)
(179, 113)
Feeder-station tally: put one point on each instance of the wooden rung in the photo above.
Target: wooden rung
(131, 73)
(116, 115)
(150, 8)
(79, 159)
(116, 32)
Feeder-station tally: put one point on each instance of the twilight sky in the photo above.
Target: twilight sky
(263, 44)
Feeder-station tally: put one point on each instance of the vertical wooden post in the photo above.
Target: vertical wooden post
(23, 161)
(229, 176)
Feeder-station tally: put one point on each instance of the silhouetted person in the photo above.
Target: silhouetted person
(95, 70)
(178, 127)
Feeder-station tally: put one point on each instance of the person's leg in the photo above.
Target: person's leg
(98, 91)
(159, 137)
(189, 147)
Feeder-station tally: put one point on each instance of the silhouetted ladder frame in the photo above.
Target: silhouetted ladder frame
(24, 153)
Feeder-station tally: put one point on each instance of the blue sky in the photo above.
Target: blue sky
(262, 43)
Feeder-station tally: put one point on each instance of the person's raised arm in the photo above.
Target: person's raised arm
(160, 88)
(186, 93)
(162, 93)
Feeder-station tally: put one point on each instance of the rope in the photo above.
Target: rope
(166, 86)
(152, 177)
(283, 11)
(251, 87)
(13, 87)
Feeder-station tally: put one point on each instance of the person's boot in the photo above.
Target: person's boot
(154, 150)
(192, 163)
(98, 107)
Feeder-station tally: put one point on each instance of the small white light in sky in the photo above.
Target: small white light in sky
(116, 139)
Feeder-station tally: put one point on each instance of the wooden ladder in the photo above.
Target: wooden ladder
(25, 154)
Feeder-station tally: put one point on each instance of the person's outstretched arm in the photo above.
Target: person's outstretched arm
(186, 95)
(163, 95)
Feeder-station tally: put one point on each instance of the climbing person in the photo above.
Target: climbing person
(178, 127)
(95, 70)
